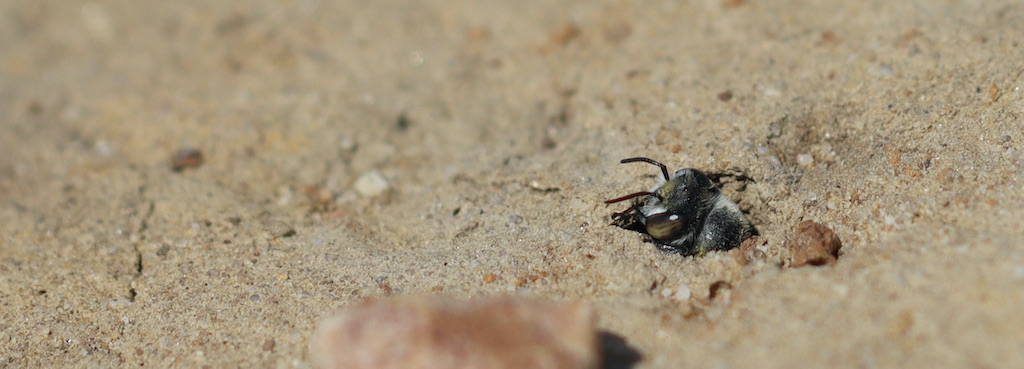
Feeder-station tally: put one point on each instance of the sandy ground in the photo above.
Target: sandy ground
(498, 128)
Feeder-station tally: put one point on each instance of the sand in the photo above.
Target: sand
(366, 149)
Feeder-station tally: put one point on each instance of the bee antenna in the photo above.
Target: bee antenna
(664, 170)
(633, 195)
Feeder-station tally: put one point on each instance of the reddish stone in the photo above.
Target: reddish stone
(814, 244)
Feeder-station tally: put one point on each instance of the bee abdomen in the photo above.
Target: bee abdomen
(724, 228)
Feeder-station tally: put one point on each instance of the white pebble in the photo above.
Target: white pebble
(683, 293)
(119, 303)
(804, 159)
(666, 292)
(371, 184)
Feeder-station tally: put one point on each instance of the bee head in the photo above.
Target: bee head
(672, 211)
(681, 203)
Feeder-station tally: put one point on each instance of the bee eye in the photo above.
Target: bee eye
(664, 226)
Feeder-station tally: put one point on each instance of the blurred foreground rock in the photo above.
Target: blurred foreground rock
(442, 332)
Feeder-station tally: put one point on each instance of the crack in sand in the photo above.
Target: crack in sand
(143, 226)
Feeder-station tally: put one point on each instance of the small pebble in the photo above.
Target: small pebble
(186, 158)
(666, 292)
(683, 293)
(885, 70)
(371, 184)
(442, 332)
(804, 160)
(813, 243)
(993, 92)
(278, 229)
(721, 290)
(725, 95)
(121, 302)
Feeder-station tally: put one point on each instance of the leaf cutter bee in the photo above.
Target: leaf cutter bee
(686, 213)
